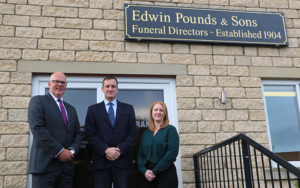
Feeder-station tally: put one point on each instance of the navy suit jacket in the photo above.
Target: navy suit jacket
(50, 135)
(101, 134)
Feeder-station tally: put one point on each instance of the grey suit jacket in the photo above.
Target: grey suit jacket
(50, 135)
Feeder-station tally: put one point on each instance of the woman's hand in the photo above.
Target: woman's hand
(149, 175)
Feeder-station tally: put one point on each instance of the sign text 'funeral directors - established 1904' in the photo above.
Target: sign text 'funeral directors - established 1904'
(148, 22)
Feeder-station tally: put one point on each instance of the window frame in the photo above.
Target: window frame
(276, 83)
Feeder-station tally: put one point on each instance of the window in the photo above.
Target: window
(282, 109)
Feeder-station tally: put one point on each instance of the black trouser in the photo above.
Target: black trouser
(52, 180)
(120, 177)
(165, 179)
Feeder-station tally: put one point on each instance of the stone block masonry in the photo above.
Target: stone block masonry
(93, 31)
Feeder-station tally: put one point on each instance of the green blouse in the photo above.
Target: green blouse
(161, 149)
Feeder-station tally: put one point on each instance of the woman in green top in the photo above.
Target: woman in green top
(158, 150)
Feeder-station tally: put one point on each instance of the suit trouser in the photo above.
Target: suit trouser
(56, 179)
(165, 179)
(120, 177)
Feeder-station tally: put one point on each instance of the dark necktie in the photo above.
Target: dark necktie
(63, 112)
(111, 114)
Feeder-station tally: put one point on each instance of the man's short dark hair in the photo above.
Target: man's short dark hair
(109, 78)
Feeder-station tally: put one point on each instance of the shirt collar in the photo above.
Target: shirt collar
(55, 98)
(114, 102)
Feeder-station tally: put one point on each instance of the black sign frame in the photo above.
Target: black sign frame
(243, 23)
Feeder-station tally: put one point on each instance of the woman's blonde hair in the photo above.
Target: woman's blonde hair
(165, 118)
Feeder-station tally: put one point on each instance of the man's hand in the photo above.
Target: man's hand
(149, 175)
(65, 155)
(112, 153)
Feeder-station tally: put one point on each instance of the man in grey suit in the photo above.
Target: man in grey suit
(56, 137)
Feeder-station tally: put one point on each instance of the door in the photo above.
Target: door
(140, 92)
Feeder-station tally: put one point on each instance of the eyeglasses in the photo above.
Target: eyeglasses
(57, 82)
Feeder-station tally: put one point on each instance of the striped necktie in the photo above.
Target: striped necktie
(111, 114)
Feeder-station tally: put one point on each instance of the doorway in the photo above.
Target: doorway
(82, 92)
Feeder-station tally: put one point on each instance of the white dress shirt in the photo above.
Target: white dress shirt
(55, 98)
(114, 106)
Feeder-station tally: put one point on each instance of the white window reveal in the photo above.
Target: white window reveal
(282, 109)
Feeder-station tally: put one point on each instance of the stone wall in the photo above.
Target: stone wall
(93, 31)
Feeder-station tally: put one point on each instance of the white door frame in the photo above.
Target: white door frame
(40, 83)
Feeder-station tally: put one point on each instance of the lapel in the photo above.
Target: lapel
(54, 104)
(104, 113)
(102, 109)
(120, 108)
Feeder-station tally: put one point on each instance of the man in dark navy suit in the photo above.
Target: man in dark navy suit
(111, 132)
